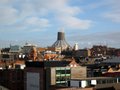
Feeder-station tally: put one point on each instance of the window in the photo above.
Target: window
(62, 76)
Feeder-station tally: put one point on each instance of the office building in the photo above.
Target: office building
(46, 75)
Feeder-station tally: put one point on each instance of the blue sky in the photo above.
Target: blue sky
(86, 22)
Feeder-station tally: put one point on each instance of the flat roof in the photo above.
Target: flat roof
(92, 78)
(47, 63)
(113, 60)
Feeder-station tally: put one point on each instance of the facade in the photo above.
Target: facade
(113, 52)
(46, 75)
(56, 49)
(82, 53)
(73, 88)
(94, 81)
(78, 72)
(29, 52)
(13, 79)
(97, 51)
(10, 54)
(34, 79)
(14, 52)
(48, 55)
(6, 55)
(51, 74)
(15, 49)
(60, 75)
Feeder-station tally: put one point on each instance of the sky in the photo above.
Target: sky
(86, 22)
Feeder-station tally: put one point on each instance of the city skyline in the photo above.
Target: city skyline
(85, 22)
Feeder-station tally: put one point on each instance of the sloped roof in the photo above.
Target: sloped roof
(73, 63)
(111, 70)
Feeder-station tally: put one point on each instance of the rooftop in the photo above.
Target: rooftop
(47, 63)
(113, 60)
(91, 78)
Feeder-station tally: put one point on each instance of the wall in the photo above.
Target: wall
(78, 72)
(33, 81)
(40, 75)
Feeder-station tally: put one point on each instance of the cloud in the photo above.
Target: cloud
(100, 38)
(4, 2)
(41, 13)
(37, 22)
(113, 16)
(8, 15)
(67, 16)
(108, 9)
(114, 10)
(75, 23)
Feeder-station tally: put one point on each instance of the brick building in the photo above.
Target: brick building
(99, 50)
(12, 79)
